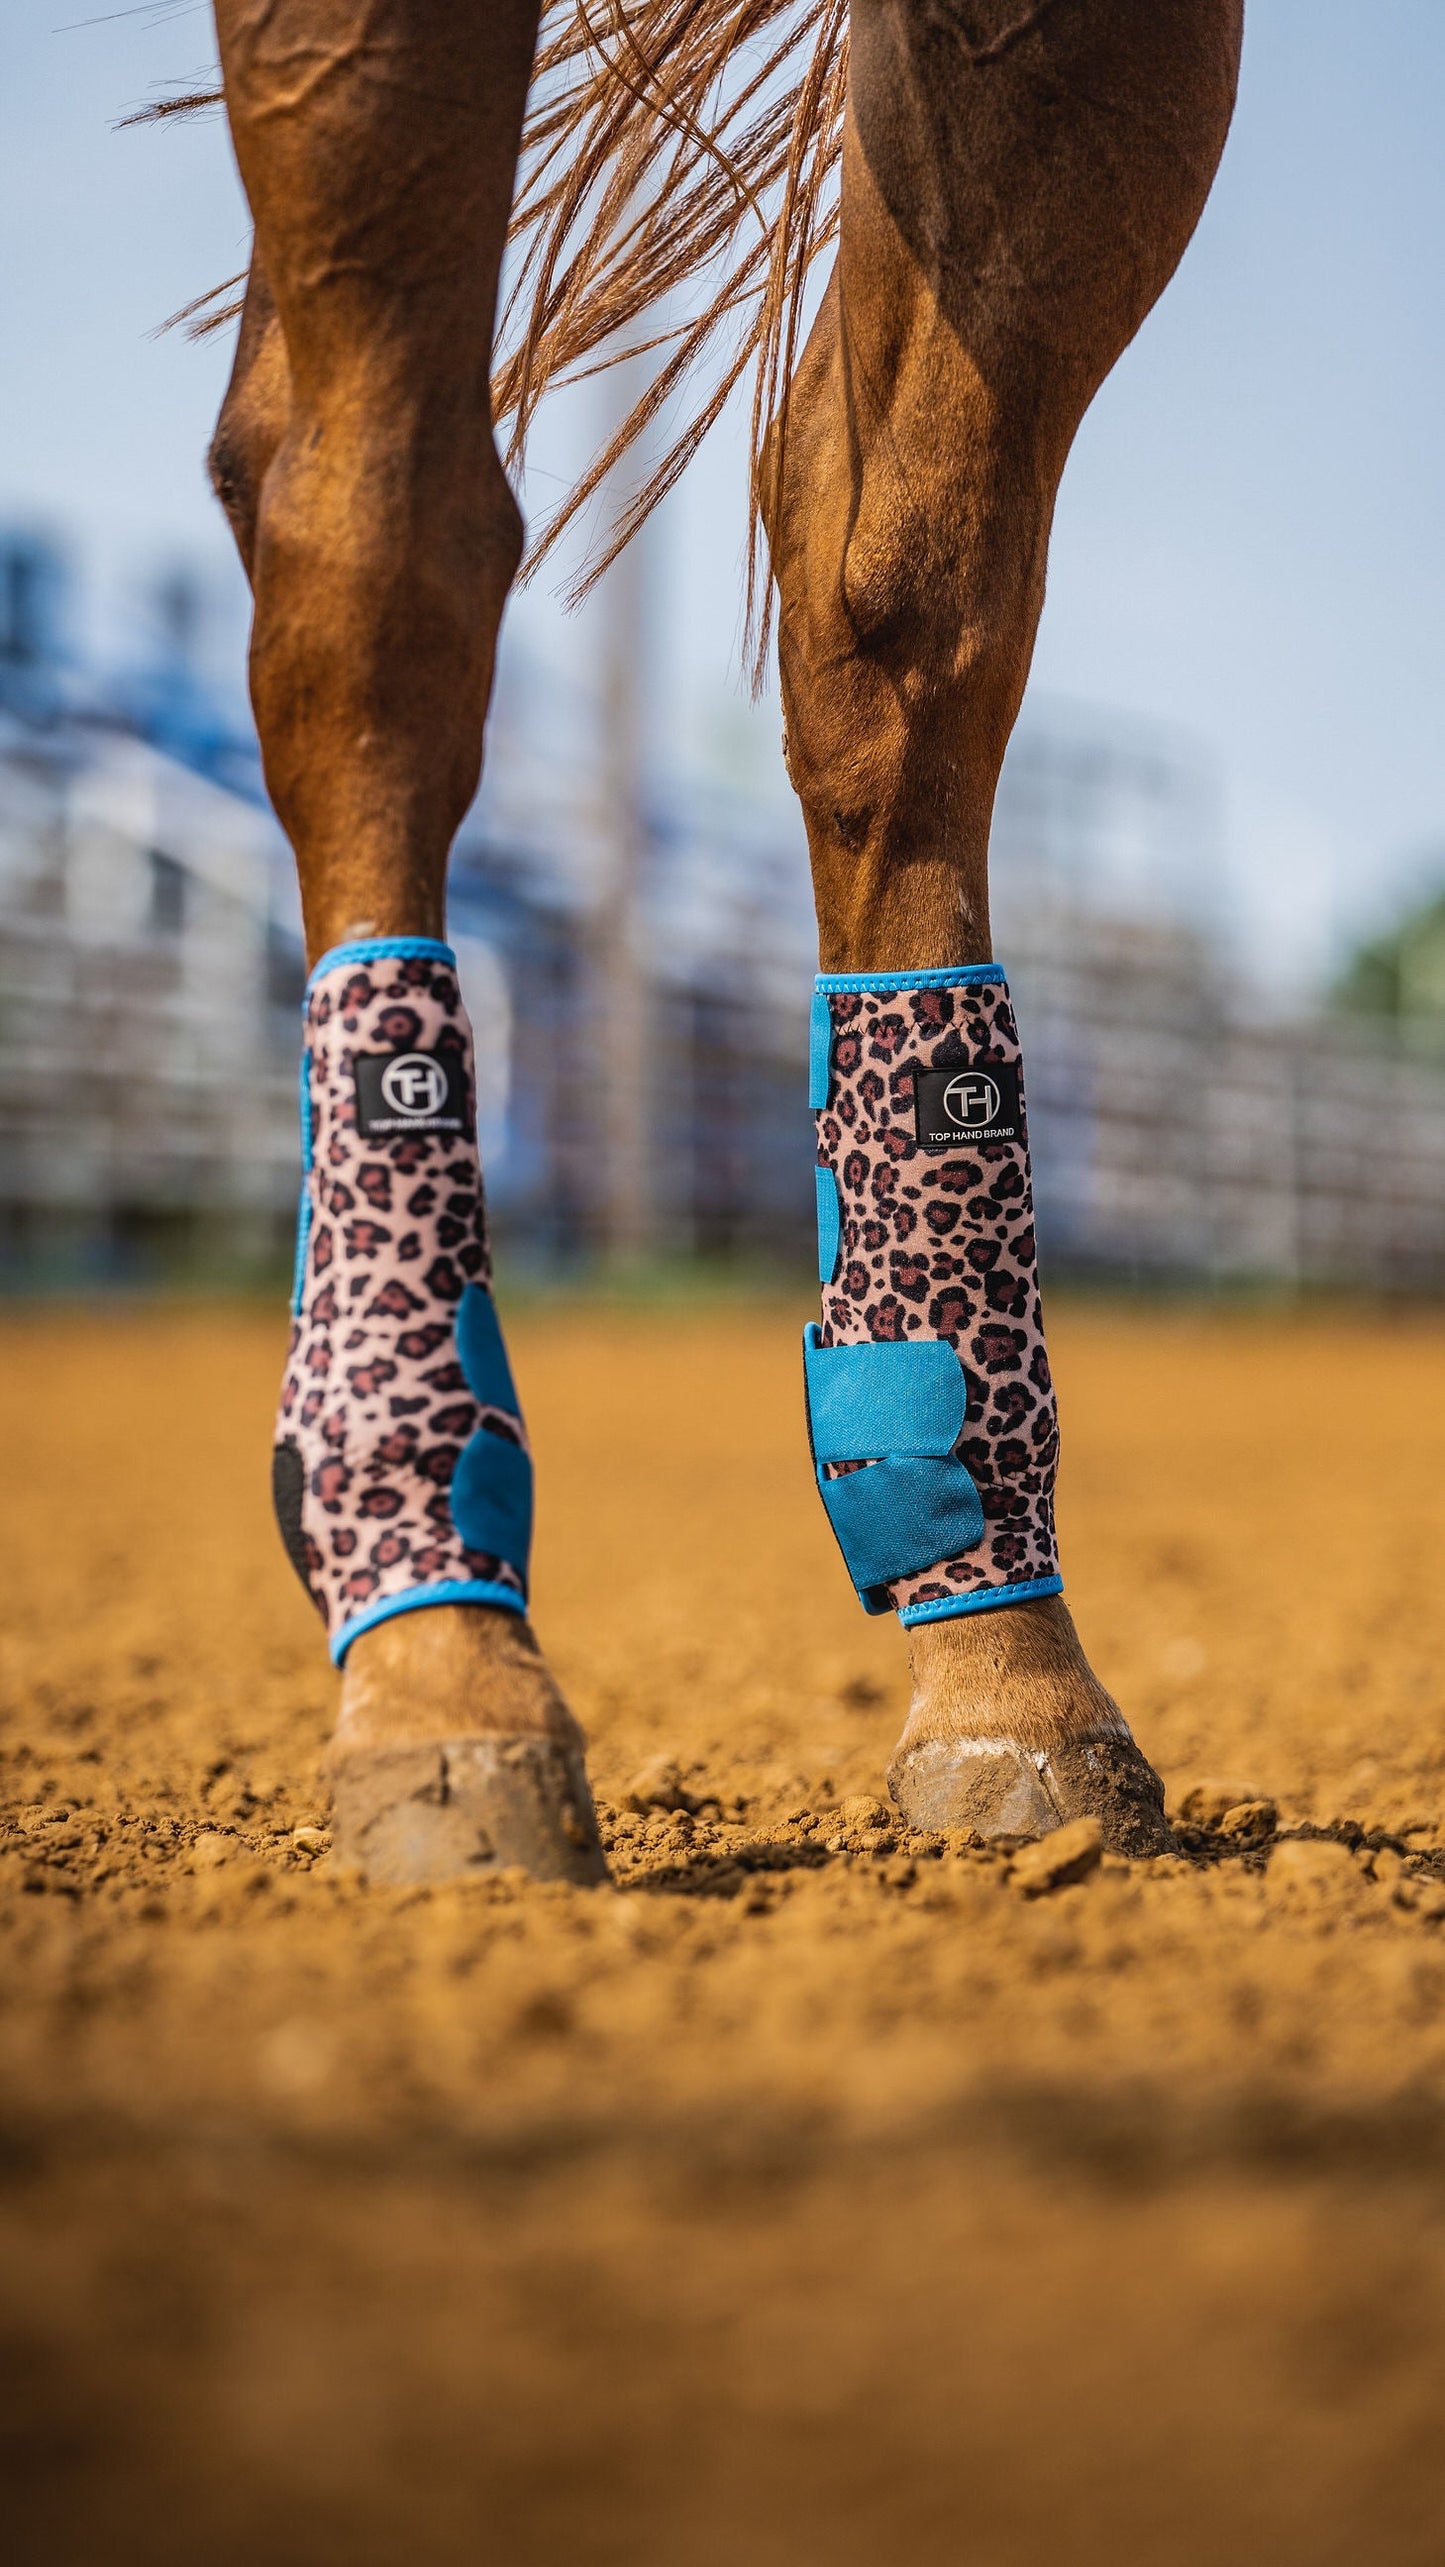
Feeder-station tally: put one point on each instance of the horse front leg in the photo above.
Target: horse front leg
(1014, 199)
(377, 140)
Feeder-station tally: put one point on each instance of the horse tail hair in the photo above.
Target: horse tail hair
(668, 144)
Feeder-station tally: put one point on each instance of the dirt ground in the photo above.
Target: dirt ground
(815, 2195)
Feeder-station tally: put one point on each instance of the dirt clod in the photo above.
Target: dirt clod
(1250, 1822)
(860, 1811)
(1208, 1802)
(658, 1785)
(1068, 1854)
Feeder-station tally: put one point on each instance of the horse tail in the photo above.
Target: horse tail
(671, 145)
(667, 144)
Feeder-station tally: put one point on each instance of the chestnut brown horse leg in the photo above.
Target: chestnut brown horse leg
(1018, 186)
(377, 140)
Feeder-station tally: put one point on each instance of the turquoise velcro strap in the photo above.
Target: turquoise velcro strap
(829, 1224)
(303, 1214)
(482, 1352)
(899, 1409)
(898, 1517)
(820, 1051)
(491, 1498)
(491, 1487)
(867, 1401)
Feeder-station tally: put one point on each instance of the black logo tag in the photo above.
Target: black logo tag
(959, 1107)
(399, 1092)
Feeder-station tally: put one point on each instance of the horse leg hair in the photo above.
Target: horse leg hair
(377, 141)
(1013, 201)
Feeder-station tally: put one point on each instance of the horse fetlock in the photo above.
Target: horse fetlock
(1017, 1671)
(451, 1672)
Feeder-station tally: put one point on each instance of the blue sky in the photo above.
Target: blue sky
(1250, 542)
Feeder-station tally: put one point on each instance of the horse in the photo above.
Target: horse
(1004, 192)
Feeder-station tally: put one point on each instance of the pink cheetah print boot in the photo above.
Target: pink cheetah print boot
(402, 1474)
(926, 1250)
(930, 1403)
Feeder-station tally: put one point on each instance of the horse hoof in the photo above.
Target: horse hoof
(992, 1787)
(461, 1808)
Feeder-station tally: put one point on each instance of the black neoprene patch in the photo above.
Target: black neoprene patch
(288, 1489)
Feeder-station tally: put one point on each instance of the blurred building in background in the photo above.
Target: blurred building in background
(642, 1023)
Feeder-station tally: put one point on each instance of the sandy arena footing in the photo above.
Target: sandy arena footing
(827, 2191)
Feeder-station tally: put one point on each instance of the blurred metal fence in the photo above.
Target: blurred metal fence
(147, 1019)
(1173, 1138)
(150, 968)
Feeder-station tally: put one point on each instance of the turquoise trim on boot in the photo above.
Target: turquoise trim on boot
(379, 949)
(413, 1599)
(303, 1209)
(949, 976)
(945, 1608)
(830, 1226)
(820, 1049)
